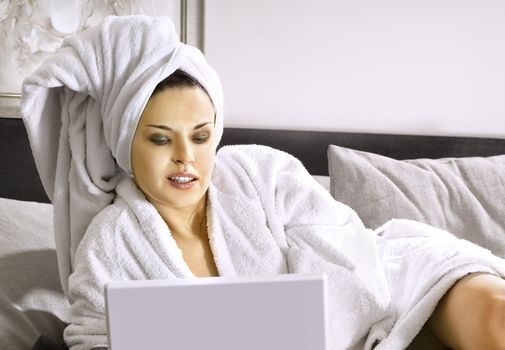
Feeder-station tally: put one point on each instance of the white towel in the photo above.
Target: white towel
(267, 215)
(81, 108)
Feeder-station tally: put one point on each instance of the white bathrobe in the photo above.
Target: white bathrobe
(266, 215)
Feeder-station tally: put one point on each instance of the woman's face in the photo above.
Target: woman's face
(173, 148)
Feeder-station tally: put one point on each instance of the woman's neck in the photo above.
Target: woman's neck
(188, 222)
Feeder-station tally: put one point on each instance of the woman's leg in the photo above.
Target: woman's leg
(472, 314)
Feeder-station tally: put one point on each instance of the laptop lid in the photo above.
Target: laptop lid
(227, 313)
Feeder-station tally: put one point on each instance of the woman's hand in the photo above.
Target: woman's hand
(472, 314)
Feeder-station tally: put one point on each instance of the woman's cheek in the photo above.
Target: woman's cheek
(209, 162)
(157, 159)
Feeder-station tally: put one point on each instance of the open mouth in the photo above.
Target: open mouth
(182, 179)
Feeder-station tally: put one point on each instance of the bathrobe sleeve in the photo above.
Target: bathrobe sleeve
(384, 285)
(319, 235)
(96, 262)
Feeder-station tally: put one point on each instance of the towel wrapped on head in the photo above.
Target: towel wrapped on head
(81, 109)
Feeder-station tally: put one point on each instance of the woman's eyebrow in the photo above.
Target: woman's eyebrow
(164, 127)
(201, 125)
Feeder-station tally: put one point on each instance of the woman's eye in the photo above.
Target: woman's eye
(201, 138)
(159, 139)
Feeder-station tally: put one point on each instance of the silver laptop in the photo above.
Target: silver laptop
(278, 312)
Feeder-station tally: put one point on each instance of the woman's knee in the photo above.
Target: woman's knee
(472, 314)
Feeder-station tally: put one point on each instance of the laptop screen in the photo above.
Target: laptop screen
(225, 313)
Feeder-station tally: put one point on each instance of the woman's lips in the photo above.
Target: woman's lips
(182, 185)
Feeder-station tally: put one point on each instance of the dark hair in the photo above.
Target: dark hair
(179, 79)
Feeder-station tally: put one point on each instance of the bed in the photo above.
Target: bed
(456, 183)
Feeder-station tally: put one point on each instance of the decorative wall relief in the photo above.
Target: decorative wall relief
(30, 30)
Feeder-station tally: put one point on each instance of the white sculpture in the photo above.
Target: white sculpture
(30, 30)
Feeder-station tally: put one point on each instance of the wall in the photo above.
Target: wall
(421, 66)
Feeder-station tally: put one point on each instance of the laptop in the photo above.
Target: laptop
(275, 312)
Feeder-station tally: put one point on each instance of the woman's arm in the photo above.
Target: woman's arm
(472, 314)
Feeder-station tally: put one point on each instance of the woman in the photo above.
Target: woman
(140, 193)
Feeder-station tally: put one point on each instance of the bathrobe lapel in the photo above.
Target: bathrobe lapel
(240, 238)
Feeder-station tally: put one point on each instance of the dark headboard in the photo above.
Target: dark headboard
(19, 177)
(311, 146)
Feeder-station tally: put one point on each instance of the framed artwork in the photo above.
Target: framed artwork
(32, 30)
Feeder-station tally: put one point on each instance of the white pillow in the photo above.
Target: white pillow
(323, 181)
(31, 299)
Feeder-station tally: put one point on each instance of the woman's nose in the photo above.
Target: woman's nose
(183, 153)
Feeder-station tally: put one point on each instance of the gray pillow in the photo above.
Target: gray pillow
(465, 196)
